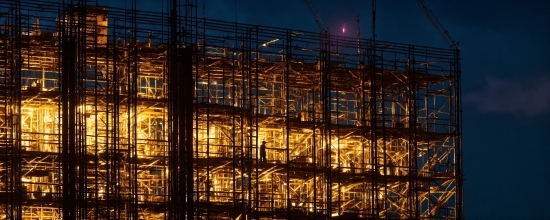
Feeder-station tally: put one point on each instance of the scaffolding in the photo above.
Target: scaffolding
(117, 113)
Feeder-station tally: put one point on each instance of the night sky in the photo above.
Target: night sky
(505, 74)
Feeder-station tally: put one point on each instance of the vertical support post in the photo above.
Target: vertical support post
(188, 85)
(68, 86)
(373, 112)
(79, 103)
(326, 110)
(412, 136)
(288, 55)
(132, 156)
(180, 99)
(175, 176)
(456, 73)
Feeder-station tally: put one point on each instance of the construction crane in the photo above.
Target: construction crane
(438, 26)
(320, 22)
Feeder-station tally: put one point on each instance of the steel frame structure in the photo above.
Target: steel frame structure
(113, 113)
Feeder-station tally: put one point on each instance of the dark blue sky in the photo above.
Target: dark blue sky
(506, 84)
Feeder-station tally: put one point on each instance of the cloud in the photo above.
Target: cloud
(528, 98)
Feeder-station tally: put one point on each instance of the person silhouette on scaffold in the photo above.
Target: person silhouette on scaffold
(262, 152)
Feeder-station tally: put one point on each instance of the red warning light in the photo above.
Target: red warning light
(344, 28)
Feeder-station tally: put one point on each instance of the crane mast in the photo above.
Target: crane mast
(443, 32)
(320, 23)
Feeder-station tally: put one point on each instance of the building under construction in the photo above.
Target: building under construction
(120, 113)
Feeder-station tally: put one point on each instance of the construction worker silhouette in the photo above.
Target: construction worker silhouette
(262, 152)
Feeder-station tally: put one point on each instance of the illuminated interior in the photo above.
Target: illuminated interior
(374, 134)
